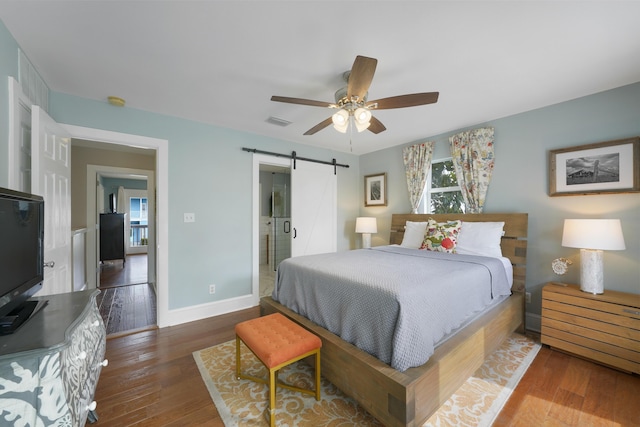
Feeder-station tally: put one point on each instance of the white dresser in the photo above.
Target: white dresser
(49, 368)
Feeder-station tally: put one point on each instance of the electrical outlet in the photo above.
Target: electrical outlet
(189, 217)
(212, 289)
(527, 297)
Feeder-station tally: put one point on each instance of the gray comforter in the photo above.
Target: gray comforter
(392, 302)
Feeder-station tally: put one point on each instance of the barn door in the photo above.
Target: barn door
(313, 208)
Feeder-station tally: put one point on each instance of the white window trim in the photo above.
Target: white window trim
(425, 201)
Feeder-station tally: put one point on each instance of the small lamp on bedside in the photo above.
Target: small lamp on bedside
(366, 226)
(592, 236)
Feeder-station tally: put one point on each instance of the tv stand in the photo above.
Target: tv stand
(22, 313)
(49, 367)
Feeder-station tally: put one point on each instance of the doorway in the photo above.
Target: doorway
(313, 212)
(275, 223)
(128, 301)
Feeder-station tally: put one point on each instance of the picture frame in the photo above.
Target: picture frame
(610, 167)
(375, 190)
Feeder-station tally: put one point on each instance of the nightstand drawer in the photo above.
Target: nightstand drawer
(604, 328)
(592, 319)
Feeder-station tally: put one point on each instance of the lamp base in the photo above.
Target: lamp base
(591, 274)
(366, 240)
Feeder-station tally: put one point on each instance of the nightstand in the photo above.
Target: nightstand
(603, 328)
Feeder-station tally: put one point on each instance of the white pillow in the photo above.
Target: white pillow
(480, 238)
(414, 234)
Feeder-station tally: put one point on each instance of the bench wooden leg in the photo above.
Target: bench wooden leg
(237, 357)
(273, 375)
(318, 375)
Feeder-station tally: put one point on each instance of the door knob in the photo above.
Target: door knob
(49, 264)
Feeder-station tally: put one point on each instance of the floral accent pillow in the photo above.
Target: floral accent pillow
(441, 236)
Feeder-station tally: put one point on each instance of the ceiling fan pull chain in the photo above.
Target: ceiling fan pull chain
(351, 133)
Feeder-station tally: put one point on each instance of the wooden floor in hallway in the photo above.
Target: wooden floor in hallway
(127, 303)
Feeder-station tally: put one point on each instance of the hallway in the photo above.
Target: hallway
(127, 302)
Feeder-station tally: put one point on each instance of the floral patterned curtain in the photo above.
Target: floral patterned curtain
(473, 160)
(417, 161)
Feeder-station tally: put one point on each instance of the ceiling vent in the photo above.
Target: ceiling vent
(278, 122)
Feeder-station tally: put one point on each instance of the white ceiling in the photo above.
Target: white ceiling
(219, 62)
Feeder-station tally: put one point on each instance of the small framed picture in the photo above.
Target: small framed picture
(601, 168)
(375, 190)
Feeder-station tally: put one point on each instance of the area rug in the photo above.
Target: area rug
(243, 402)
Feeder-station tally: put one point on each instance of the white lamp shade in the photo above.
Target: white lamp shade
(366, 225)
(603, 234)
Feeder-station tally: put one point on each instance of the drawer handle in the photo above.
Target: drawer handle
(104, 363)
(95, 323)
(628, 310)
(82, 355)
(92, 406)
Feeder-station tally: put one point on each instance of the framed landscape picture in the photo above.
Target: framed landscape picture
(601, 168)
(375, 190)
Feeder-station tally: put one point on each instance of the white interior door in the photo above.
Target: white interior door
(313, 208)
(19, 138)
(51, 179)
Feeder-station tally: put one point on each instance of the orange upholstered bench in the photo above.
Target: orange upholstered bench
(277, 342)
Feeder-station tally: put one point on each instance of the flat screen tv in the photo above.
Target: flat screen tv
(21, 255)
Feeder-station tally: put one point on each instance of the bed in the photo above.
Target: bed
(408, 397)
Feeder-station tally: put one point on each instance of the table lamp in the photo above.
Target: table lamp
(366, 226)
(592, 236)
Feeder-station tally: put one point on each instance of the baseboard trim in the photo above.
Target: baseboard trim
(203, 311)
(533, 322)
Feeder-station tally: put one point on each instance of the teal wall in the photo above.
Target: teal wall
(211, 176)
(520, 183)
(111, 185)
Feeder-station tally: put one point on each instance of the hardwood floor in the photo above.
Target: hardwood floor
(127, 308)
(118, 273)
(562, 390)
(152, 380)
(127, 302)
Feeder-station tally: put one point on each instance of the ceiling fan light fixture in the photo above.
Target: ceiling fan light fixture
(362, 118)
(362, 115)
(340, 118)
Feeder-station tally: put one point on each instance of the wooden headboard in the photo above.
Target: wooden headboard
(514, 241)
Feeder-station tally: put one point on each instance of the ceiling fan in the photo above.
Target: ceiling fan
(352, 104)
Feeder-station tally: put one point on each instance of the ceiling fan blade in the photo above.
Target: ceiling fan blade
(361, 76)
(301, 101)
(402, 101)
(323, 124)
(376, 126)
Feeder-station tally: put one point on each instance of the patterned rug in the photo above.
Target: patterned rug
(243, 402)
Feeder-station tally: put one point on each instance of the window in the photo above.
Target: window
(138, 220)
(442, 193)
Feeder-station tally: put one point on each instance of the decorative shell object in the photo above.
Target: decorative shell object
(560, 265)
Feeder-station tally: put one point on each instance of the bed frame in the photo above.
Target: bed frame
(409, 398)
